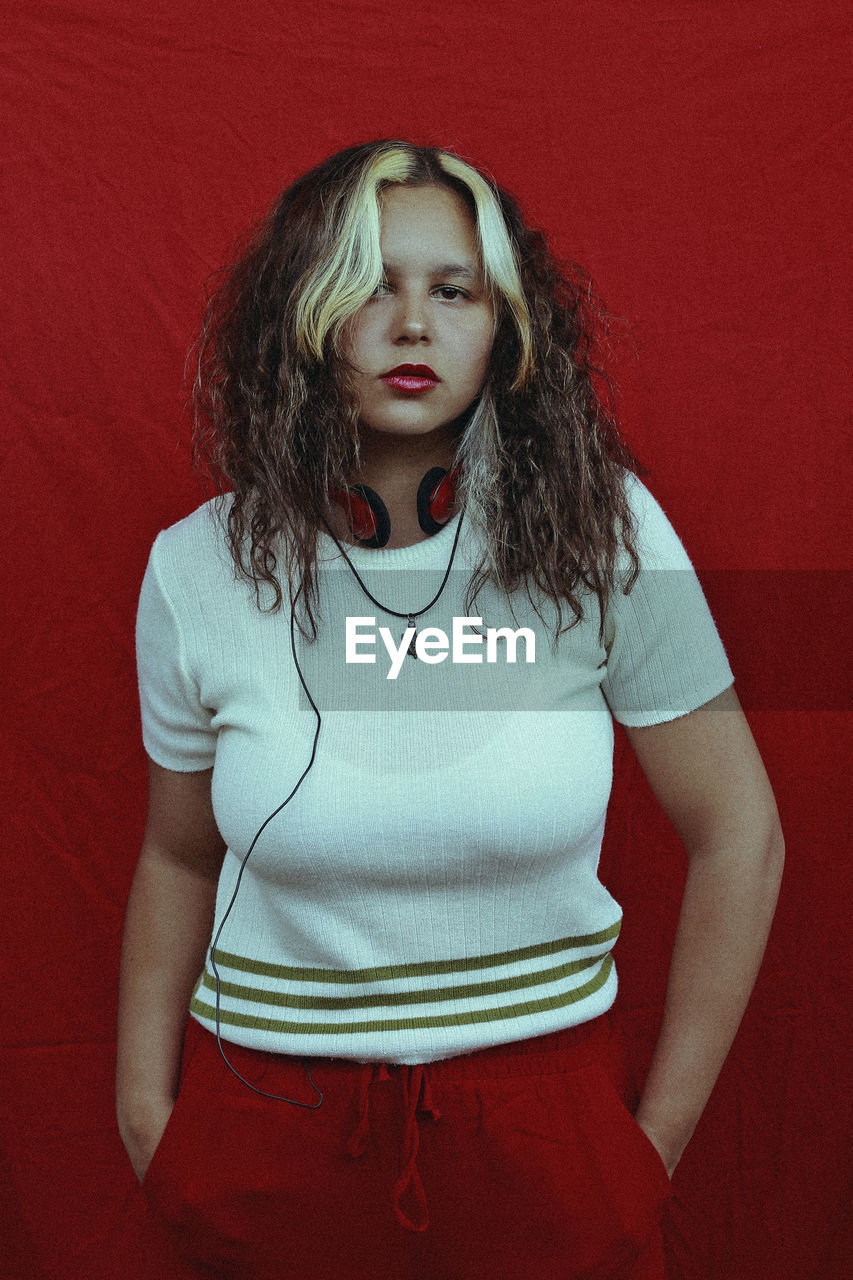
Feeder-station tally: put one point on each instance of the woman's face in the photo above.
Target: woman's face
(432, 314)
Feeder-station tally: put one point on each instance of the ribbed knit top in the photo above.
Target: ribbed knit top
(432, 886)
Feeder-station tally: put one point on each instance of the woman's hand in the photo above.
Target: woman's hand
(141, 1132)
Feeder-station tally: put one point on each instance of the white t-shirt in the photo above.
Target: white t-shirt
(432, 886)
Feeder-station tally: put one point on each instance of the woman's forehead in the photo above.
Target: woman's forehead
(427, 222)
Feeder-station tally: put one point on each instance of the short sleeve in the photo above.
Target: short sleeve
(664, 654)
(176, 727)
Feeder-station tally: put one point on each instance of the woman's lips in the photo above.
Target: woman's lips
(413, 379)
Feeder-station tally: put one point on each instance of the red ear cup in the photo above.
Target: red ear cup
(436, 494)
(367, 514)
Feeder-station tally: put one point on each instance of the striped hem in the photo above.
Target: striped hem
(470, 1017)
(405, 997)
(468, 991)
(427, 968)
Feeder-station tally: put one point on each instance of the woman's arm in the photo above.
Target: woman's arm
(707, 775)
(166, 934)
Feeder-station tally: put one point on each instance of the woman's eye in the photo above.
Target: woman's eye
(446, 292)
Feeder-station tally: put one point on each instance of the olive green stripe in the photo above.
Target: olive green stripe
(423, 969)
(465, 991)
(467, 1018)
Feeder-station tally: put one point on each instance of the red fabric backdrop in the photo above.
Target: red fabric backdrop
(692, 155)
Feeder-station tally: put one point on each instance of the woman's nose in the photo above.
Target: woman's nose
(411, 321)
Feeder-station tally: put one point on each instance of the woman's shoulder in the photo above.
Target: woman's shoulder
(658, 544)
(202, 530)
(196, 545)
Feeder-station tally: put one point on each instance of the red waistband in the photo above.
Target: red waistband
(538, 1055)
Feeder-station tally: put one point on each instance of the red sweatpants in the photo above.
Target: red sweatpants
(520, 1162)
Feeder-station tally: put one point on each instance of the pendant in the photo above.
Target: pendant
(412, 651)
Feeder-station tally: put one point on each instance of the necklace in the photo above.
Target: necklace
(409, 614)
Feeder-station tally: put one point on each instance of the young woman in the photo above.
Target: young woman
(378, 681)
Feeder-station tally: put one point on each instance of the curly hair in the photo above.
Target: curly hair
(542, 464)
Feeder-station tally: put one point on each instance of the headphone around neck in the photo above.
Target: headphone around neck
(368, 516)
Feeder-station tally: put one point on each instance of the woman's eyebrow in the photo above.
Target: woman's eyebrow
(463, 269)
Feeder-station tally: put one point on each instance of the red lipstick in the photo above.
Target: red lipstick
(413, 379)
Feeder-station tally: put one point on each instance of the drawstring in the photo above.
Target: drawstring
(415, 1084)
(417, 1097)
(357, 1141)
